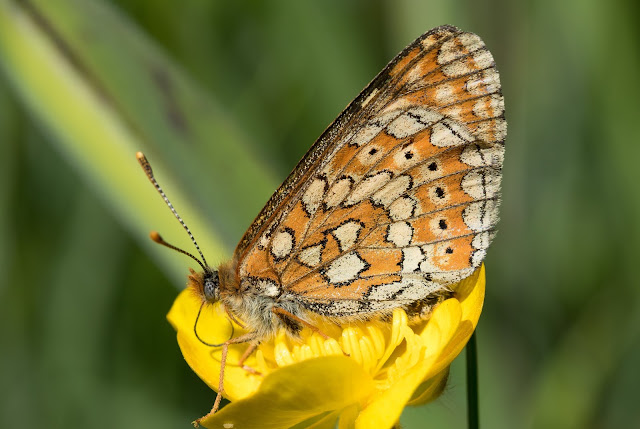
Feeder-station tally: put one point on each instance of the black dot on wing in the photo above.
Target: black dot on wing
(408, 155)
(442, 224)
(440, 192)
(449, 250)
(373, 151)
(433, 166)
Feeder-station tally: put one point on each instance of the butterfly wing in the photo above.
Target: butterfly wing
(399, 196)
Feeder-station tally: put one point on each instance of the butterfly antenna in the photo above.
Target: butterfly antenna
(154, 235)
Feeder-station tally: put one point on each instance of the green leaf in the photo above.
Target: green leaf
(109, 92)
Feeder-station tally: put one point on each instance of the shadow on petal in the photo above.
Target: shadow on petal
(298, 392)
(430, 389)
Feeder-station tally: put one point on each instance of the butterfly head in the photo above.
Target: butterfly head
(211, 287)
(205, 284)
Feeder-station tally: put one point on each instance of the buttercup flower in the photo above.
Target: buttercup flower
(363, 376)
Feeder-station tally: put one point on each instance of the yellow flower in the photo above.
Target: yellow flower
(312, 383)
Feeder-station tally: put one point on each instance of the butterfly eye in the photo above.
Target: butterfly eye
(211, 287)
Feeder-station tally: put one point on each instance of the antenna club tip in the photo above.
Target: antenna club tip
(142, 160)
(155, 236)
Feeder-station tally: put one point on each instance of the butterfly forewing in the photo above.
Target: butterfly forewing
(399, 197)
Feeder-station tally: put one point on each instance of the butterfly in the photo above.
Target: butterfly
(394, 203)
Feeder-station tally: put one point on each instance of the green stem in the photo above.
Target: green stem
(472, 383)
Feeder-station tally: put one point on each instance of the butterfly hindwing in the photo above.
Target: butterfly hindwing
(399, 197)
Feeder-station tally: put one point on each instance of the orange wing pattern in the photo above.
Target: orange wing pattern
(399, 197)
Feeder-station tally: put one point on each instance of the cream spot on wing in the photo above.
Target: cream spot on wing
(345, 269)
(450, 133)
(489, 107)
(492, 131)
(282, 244)
(482, 240)
(445, 93)
(313, 195)
(411, 259)
(427, 265)
(483, 83)
(453, 111)
(372, 128)
(451, 277)
(263, 242)
(404, 126)
(398, 105)
(477, 257)
(366, 134)
(450, 50)
(368, 99)
(267, 287)
(457, 68)
(347, 234)
(412, 287)
(460, 129)
(338, 192)
(411, 122)
(472, 155)
(392, 190)
(483, 183)
(414, 74)
(386, 292)
(402, 208)
(431, 40)
(495, 155)
(311, 256)
(481, 215)
(497, 104)
(471, 41)
(475, 156)
(480, 108)
(367, 187)
(400, 234)
(483, 59)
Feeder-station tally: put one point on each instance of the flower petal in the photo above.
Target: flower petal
(327, 421)
(298, 392)
(348, 417)
(203, 359)
(470, 293)
(385, 408)
(430, 389)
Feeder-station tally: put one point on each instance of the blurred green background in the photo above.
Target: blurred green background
(225, 98)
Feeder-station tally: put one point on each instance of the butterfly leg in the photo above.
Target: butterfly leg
(252, 347)
(284, 314)
(223, 361)
(232, 317)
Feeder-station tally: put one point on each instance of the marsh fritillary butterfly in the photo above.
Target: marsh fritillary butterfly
(396, 201)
